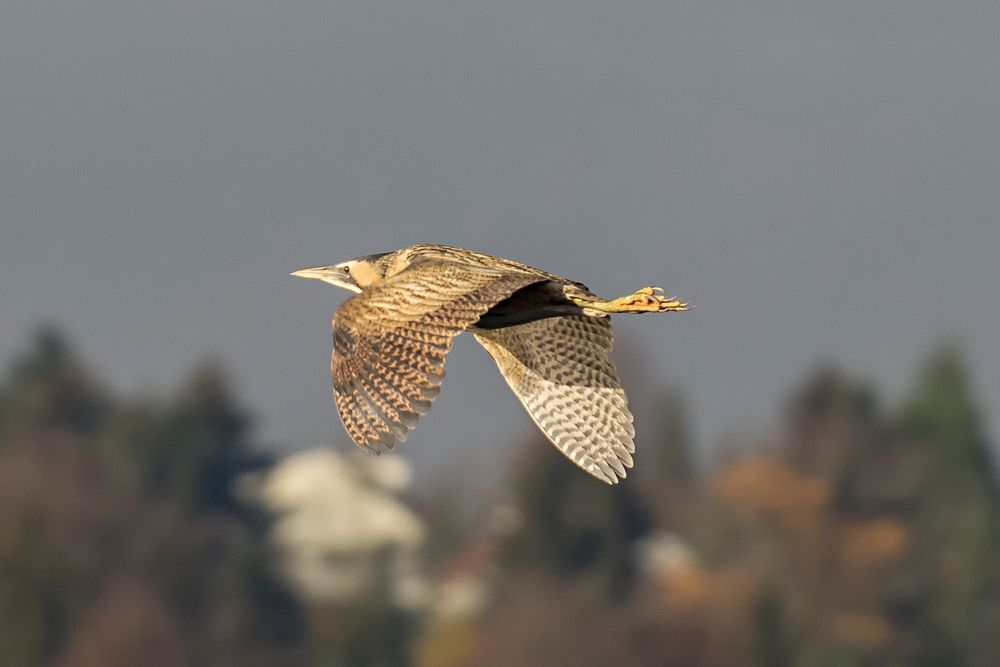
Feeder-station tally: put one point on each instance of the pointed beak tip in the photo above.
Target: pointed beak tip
(324, 273)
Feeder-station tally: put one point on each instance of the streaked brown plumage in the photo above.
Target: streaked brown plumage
(550, 338)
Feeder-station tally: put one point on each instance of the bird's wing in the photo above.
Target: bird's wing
(560, 371)
(390, 343)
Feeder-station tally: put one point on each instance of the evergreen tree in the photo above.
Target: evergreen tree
(203, 446)
(93, 549)
(48, 385)
(831, 429)
(954, 556)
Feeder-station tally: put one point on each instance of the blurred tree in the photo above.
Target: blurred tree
(202, 446)
(665, 469)
(943, 414)
(573, 524)
(95, 564)
(671, 457)
(822, 548)
(832, 430)
(48, 386)
(949, 599)
(771, 628)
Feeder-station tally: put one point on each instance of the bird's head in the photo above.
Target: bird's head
(353, 275)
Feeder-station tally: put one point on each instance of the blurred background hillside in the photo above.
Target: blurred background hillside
(816, 476)
(159, 530)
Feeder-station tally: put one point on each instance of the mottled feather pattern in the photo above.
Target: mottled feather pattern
(560, 370)
(391, 342)
(550, 337)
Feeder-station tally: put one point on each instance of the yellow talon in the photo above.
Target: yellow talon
(650, 299)
(645, 300)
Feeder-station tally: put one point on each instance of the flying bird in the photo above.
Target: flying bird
(549, 336)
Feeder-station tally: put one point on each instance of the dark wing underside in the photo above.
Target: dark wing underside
(560, 370)
(390, 343)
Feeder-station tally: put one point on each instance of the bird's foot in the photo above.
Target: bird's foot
(645, 300)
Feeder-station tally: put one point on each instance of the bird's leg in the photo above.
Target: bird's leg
(645, 300)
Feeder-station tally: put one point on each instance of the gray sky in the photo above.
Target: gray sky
(822, 179)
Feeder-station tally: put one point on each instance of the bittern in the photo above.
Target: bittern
(549, 336)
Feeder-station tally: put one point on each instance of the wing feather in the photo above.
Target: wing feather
(391, 341)
(560, 370)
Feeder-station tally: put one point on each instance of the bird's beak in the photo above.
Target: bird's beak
(330, 275)
(324, 273)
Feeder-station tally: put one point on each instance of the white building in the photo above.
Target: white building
(341, 528)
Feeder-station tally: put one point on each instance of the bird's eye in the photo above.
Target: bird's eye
(347, 269)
